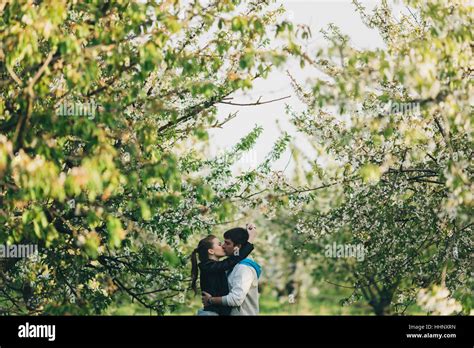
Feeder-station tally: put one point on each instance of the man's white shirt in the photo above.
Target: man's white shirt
(243, 291)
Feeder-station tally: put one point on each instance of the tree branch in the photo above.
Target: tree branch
(258, 102)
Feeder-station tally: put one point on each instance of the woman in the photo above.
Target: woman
(213, 279)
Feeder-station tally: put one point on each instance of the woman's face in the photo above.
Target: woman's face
(217, 249)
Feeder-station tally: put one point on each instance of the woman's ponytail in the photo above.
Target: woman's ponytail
(203, 246)
(194, 270)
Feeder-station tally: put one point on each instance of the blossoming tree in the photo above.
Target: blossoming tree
(393, 130)
(110, 193)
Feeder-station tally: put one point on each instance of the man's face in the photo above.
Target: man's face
(229, 247)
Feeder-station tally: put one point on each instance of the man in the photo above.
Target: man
(243, 279)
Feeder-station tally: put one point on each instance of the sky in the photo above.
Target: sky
(317, 14)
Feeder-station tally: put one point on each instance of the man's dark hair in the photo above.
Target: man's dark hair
(237, 235)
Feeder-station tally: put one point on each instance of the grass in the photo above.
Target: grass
(324, 301)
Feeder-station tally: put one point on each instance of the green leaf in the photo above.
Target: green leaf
(370, 173)
(115, 231)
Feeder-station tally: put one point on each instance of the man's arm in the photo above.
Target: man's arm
(238, 293)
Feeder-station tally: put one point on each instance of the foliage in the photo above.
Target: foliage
(104, 112)
(393, 131)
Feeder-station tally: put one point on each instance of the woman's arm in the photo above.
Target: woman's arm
(228, 263)
(252, 230)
